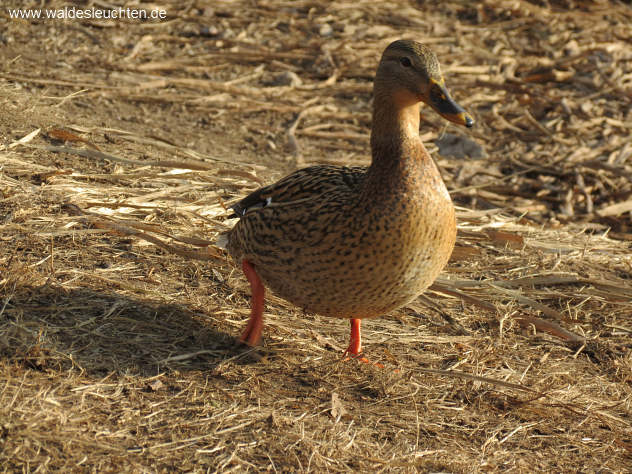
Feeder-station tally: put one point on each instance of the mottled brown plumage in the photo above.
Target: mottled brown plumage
(354, 242)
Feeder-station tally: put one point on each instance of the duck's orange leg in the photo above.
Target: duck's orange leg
(252, 333)
(355, 340)
(355, 344)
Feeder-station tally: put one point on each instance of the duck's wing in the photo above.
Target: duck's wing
(305, 184)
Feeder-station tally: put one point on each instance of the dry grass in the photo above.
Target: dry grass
(117, 355)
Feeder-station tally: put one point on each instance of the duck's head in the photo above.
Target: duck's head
(410, 73)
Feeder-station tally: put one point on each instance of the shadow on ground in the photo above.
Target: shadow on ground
(100, 332)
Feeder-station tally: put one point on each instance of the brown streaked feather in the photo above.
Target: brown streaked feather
(306, 183)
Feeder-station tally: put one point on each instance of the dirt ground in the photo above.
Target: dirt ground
(121, 141)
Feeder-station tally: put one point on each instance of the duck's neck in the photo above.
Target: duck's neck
(395, 144)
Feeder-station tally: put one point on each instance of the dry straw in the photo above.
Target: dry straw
(122, 143)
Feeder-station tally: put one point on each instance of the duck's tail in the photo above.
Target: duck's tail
(222, 240)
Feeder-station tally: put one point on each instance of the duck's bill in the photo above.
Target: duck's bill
(445, 105)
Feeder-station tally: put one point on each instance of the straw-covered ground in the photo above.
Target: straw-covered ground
(121, 141)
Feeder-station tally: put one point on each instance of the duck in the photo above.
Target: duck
(357, 242)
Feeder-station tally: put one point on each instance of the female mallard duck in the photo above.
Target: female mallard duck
(355, 242)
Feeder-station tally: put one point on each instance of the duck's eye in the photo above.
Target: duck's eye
(405, 61)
